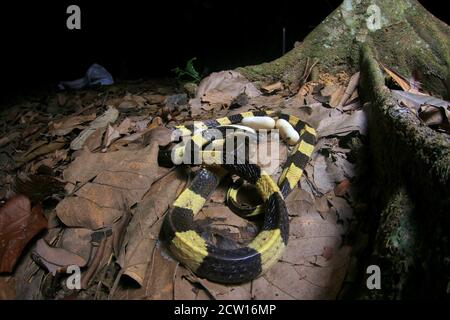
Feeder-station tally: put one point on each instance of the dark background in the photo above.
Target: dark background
(134, 39)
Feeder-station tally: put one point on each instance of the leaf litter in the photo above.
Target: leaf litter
(104, 148)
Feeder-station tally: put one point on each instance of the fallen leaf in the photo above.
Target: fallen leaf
(161, 135)
(175, 101)
(351, 87)
(40, 151)
(271, 88)
(109, 116)
(66, 125)
(329, 90)
(416, 100)
(240, 101)
(155, 98)
(195, 107)
(400, 80)
(8, 138)
(313, 265)
(107, 180)
(37, 187)
(273, 102)
(433, 111)
(18, 225)
(435, 116)
(185, 288)
(77, 241)
(143, 230)
(343, 124)
(322, 179)
(231, 83)
(216, 98)
(337, 96)
(307, 88)
(342, 188)
(124, 126)
(111, 135)
(54, 259)
(7, 288)
(94, 141)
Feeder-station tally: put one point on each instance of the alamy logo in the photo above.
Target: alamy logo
(373, 21)
(73, 282)
(74, 19)
(374, 280)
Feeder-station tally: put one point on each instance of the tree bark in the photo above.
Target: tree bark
(409, 174)
(402, 34)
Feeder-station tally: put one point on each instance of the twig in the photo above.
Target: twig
(116, 284)
(95, 264)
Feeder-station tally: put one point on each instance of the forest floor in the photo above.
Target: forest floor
(79, 172)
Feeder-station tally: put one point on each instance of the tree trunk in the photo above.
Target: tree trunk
(402, 34)
(409, 172)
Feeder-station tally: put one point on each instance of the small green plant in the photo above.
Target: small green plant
(188, 71)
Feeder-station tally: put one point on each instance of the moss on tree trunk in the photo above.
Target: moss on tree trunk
(409, 162)
(402, 33)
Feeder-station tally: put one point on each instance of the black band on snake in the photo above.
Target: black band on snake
(179, 230)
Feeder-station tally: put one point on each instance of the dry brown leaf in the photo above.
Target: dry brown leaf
(109, 116)
(7, 288)
(221, 216)
(304, 272)
(435, 116)
(215, 97)
(124, 126)
(155, 98)
(94, 141)
(37, 187)
(351, 88)
(161, 135)
(77, 241)
(111, 135)
(323, 181)
(184, 288)
(271, 88)
(231, 83)
(40, 151)
(8, 138)
(337, 96)
(54, 259)
(307, 88)
(228, 292)
(84, 213)
(343, 124)
(329, 90)
(18, 225)
(342, 188)
(142, 233)
(65, 126)
(119, 176)
(273, 102)
(401, 81)
(196, 107)
(159, 280)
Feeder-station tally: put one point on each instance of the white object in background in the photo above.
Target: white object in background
(96, 74)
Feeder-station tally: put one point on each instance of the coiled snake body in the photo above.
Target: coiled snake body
(240, 264)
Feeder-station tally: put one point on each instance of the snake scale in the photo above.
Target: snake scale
(240, 264)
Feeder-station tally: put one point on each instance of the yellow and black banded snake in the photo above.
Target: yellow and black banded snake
(240, 264)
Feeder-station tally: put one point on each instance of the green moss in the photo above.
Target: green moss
(411, 41)
(410, 188)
